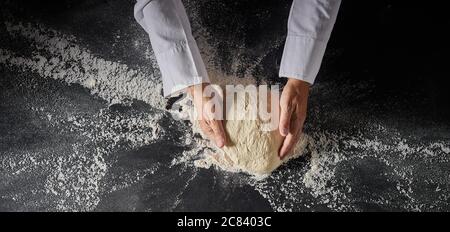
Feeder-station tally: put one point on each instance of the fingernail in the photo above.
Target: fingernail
(285, 131)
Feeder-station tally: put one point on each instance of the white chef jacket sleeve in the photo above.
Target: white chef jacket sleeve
(171, 37)
(309, 28)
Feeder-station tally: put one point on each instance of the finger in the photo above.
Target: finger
(219, 132)
(288, 143)
(206, 129)
(222, 131)
(297, 121)
(292, 138)
(285, 117)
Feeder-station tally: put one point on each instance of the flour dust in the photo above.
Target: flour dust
(76, 175)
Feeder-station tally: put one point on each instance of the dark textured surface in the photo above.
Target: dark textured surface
(385, 66)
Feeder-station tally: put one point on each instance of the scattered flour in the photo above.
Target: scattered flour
(76, 179)
(111, 81)
(284, 189)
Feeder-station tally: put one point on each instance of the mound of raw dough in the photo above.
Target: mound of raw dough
(251, 149)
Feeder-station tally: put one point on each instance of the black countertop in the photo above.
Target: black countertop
(378, 113)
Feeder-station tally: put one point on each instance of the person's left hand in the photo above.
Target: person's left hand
(293, 105)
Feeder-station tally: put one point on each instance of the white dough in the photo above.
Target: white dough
(249, 149)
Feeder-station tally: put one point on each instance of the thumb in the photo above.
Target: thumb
(219, 132)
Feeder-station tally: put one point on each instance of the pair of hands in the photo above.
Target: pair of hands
(293, 105)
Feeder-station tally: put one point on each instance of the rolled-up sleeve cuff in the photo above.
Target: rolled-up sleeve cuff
(181, 67)
(302, 57)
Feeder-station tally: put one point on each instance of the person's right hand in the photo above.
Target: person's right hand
(210, 126)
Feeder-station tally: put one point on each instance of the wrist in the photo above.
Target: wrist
(196, 89)
(300, 84)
